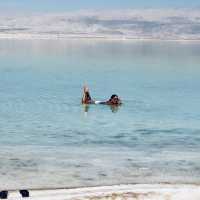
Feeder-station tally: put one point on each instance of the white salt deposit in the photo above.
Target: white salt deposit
(118, 192)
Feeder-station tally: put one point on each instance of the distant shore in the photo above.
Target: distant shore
(126, 24)
(25, 36)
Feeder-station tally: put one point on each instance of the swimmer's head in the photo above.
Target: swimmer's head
(113, 96)
(114, 99)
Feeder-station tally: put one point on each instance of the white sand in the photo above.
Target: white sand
(118, 192)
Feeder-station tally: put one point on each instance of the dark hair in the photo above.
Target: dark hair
(113, 96)
(88, 96)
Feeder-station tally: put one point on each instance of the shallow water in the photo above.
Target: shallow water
(49, 140)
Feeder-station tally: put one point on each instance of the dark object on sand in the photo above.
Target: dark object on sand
(24, 193)
(3, 194)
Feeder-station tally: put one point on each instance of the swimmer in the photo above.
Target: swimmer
(86, 99)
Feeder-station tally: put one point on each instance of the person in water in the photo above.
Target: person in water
(86, 99)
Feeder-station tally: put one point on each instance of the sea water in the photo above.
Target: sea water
(49, 140)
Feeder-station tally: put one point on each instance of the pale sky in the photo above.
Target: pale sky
(70, 5)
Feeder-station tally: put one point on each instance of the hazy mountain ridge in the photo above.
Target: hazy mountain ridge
(141, 24)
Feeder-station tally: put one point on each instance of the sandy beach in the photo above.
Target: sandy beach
(117, 192)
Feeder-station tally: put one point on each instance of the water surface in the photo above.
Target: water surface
(47, 139)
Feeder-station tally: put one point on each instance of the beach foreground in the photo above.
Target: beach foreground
(118, 192)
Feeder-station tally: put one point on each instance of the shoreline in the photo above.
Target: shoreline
(124, 184)
(128, 191)
(90, 37)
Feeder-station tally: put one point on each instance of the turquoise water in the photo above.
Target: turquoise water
(47, 139)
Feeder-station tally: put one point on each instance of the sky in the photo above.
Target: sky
(70, 5)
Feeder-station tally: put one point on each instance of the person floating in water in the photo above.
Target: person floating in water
(86, 99)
